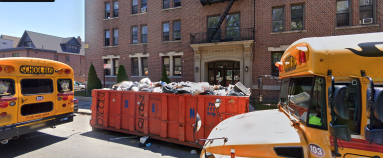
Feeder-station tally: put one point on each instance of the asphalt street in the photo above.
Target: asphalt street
(77, 139)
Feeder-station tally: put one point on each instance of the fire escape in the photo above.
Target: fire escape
(215, 34)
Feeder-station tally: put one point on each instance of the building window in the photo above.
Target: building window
(297, 17)
(165, 32)
(276, 57)
(232, 26)
(115, 9)
(145, 70)
(366, 11)
(144, 4)
(177, 30)
(15, 54)
(144, 34)
(108, 71)
(177, 66)
(134, 35)
(115, 67)
(107, 10)
(57, 58)
(277, 19)
(177, 3)
(166, 4)
(135, 67)
(211, 24)
(135, 7)
(342, 13)
(67, 59)
(28, 44)
(115, 37)
(107, 36)
(166, 62)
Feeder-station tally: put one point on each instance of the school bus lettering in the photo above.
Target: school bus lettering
(290, 63)
(37, 116)
(25, 69)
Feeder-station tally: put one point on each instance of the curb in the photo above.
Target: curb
(84, 112)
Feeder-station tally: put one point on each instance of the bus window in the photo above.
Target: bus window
(7, 87)
(351, 98)
(284, 92)
(317, 117)
(36, 86)
(64, 85)
(300, 90)
(36, 108)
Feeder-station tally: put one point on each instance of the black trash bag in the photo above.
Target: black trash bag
(233, 92)
(169, 89)
(182, 91)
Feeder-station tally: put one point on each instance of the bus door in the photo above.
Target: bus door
(8, 101)
(36, 98)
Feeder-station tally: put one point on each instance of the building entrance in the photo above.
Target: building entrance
(224, 73)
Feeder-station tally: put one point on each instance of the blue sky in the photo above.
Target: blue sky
(63, 18)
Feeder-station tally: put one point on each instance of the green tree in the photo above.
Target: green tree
(93, 81)
(164, 77)
(121, 75)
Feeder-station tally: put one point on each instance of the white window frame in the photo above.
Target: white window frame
(111, 58)
(139, 56)
(171, 56)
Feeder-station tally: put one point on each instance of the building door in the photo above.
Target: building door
(223, 73)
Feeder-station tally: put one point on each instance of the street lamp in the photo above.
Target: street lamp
(246, 68)
(196, 69)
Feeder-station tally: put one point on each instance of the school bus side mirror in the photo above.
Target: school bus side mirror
(197, 124)
(340, 107)
(375, 135)
(343, 132)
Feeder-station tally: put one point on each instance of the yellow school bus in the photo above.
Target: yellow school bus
(34, 94)
(330, 105)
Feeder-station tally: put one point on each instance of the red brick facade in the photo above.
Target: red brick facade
(319, 20)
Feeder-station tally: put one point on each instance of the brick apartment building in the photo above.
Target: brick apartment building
(67, 50)
(143, 35)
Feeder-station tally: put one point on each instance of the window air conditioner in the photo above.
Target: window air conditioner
(368, 21)
(143, 10)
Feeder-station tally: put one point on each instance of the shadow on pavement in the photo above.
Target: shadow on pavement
(28, 143)
(157, 146)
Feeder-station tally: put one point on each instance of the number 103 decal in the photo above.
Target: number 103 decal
(316, 150)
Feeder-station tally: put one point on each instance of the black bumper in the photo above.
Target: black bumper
(21, 128)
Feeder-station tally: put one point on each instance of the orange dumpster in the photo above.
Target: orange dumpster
(162, 116)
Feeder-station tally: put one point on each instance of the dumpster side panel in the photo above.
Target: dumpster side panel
(141, 109)
(211, 117)
(112, 109)
(155, 114)
(191, 108)
(173, 116)
(127, 106)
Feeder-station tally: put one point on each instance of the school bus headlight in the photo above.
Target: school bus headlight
(67, 71)
(9, 69)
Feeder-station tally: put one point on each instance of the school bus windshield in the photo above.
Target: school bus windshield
(296, 95)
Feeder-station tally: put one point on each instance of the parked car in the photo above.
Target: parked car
(75, 108)
(78, 86)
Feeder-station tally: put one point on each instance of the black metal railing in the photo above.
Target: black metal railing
(223, 36)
